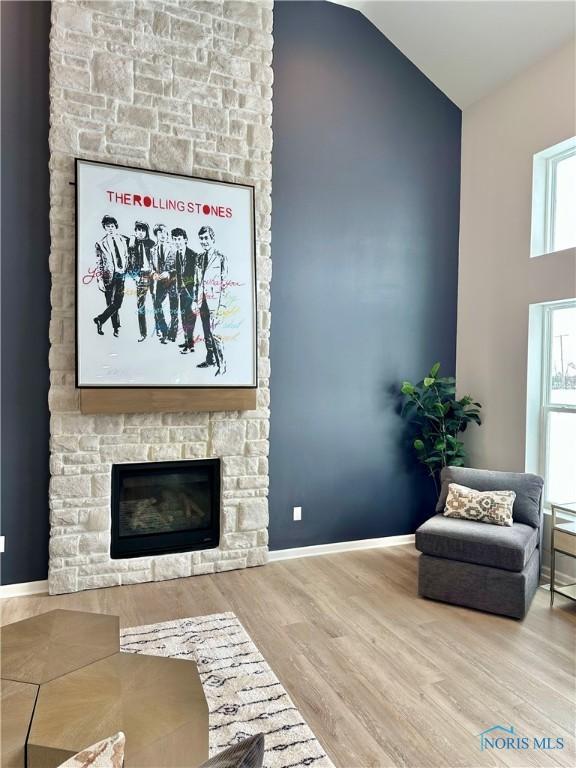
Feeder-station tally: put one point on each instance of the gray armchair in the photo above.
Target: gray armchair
(489, 567)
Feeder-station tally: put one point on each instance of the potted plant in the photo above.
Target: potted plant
(438, 418)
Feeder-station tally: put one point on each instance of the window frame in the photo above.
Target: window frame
(546, 406)
(550, 212)
(545, 164)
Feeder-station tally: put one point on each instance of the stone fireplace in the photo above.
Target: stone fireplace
(174, 87)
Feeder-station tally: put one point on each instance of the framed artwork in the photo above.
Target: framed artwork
(165, 280)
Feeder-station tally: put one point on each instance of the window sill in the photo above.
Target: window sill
(564, 251)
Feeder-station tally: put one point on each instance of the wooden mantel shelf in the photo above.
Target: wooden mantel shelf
(166, 400)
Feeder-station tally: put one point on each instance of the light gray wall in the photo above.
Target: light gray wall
(498, 281)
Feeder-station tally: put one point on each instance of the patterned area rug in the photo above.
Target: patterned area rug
(243, 694)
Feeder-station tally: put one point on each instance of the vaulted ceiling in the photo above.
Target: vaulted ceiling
(470, 47)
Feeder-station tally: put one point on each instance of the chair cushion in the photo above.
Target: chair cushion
(471, 542)
(507, 593)
(528, 489)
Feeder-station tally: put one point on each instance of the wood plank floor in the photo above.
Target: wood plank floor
(383, 677)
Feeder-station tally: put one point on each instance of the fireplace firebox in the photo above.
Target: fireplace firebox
(164, 507)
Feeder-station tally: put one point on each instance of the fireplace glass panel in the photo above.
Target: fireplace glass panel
(164, 507)
(165, 503)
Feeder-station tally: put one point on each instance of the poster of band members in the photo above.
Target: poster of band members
(165, 280)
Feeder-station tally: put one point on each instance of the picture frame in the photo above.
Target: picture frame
(165, 280)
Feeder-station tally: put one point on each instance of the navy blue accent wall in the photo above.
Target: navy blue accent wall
(365, 232)
(25, 289)
(365, 211)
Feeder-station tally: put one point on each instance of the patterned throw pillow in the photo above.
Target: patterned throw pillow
(248, 753)
(108, 753)
(493, 507)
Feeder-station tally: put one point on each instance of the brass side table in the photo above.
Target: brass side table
(563, 540)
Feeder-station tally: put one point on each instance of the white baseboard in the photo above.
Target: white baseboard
(339, 546)
(36, 587)
(25, 588)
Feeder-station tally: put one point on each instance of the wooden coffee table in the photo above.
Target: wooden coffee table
(39, 649)
(158, 703)
(17, 702)
(50, 645)
(66, 686)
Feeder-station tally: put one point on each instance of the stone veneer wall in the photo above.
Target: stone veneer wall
(187, 87)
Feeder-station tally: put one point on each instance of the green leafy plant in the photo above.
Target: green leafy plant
(438, 418)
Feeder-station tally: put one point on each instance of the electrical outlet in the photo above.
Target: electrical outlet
(2, 542)
(297, 513)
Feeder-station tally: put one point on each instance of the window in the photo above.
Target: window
(558, 454)
(554, 199)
